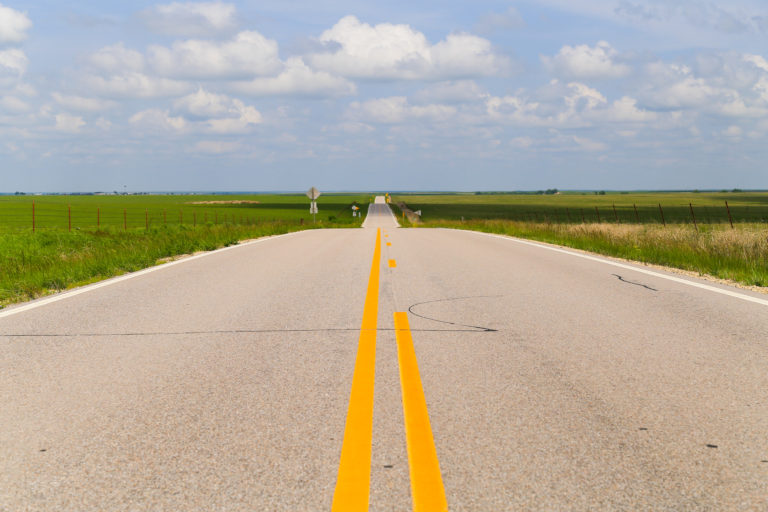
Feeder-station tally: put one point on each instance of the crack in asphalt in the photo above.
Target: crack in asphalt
(477, 327)
(634, 283)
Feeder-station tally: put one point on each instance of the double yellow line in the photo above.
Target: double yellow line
(354, 477)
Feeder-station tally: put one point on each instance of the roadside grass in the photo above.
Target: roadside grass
(34, 264)
(739, 254)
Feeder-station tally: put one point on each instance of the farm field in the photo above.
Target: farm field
(713, 246)
(633, 208)
(111, 235)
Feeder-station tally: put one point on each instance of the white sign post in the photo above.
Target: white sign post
(313, 194)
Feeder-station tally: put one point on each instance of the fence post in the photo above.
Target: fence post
(615, 214)
(33, 215)
(637, 217)
(69, 216)
(729, 214)
(598, 215)
(125, 220)
(690, 205)
(662, 215)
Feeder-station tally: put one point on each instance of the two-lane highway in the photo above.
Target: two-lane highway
(262, 377)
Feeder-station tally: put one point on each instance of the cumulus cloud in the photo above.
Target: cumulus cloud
(397, 109)
(389, 51)
(135, 85)
(297, 79)
(190, 18)
(247, 54)
(217, 113)
(158, 120)
(117, 58)
(81, 103)
(585, 61)
(13, 25)
(69, 123)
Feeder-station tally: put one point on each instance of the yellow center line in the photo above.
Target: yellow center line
(426, 482)
(389, 243)
(354, 478)
(392, 264)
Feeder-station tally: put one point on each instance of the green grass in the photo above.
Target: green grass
(712, 247)
(53, 258)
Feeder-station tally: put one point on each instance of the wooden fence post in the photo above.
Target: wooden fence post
(616, 215)
(690, 205)
(663, 221)
(637, 217)
(729, 214)
(598, 215)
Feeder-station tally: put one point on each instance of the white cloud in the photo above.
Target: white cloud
(216, 147)
(82, 104)
(117, 58)
(388, 51)
(584, 61)
(69, 123)
(156, 119)
(13, 25)
(733, 131)
(298, 79)
(396, 109)
(135, 85)
(13, 62)
(589, 144)
(203, 104)
(190, 18)
(218, 113)
(460, 91)
(13, 104)
(248, 54)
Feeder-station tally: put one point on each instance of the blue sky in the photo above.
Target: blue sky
(597, 94)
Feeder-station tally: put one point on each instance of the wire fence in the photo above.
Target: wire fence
(41, 216)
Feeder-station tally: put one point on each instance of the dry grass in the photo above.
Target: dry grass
(739, 254)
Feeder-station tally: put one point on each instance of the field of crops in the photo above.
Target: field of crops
(20, 213)
(630, 208)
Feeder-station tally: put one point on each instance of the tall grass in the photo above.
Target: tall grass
(35, 264)
(739, 254)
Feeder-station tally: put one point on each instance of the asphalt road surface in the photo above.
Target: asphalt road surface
(280, 375)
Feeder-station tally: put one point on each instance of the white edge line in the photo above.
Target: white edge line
(113, 280)
(703, 286)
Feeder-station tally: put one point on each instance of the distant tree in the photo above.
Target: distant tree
(551, 191)
(736, 190)
(602, 193)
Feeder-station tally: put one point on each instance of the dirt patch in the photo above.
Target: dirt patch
(237, 201)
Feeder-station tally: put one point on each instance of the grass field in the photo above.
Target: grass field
(111, 235)
(577, 208)
(710, 247)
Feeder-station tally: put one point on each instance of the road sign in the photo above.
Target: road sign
(313, 193)
(313, 207)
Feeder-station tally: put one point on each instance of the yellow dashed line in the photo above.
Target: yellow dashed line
(389, 243)
(392, 263)
(426, 482)
(354, 478)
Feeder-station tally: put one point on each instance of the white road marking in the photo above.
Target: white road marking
(101, 284)
(695, 284)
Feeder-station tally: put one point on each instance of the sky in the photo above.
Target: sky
(398, 95)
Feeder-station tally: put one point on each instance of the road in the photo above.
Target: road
(271, 376)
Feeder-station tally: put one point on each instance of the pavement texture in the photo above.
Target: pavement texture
(222, 383)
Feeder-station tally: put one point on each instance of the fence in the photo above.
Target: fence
(41, 216)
